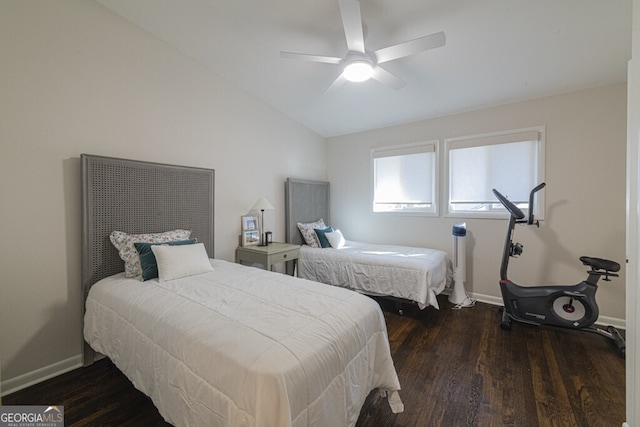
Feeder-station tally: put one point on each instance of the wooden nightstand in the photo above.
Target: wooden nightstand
(268, 255)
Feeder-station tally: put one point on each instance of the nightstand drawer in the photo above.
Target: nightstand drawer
(273, 253)
(284, 256)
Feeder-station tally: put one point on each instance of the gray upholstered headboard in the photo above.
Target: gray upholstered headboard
(305, 201)
(138, 197)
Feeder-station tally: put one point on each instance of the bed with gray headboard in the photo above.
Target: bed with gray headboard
(138, 197)
(403, 273)
(184, 339)
(305, 201)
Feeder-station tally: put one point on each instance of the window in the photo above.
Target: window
(511, 162)
(404, 178)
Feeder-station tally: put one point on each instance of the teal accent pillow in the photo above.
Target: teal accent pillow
(324, 243)
(148, 259)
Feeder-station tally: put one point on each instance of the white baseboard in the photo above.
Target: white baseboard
(489, 299)
(613, 321)
(602, 320)
(39, 375)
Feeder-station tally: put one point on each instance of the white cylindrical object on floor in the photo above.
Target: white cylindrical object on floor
(459, 295)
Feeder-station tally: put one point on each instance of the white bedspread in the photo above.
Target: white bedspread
(241, 346)
(415, 274)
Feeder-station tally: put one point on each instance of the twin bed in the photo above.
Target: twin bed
(416, 275)
(214, 343)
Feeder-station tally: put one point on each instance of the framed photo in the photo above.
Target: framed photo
(249, 223)
(250, 238)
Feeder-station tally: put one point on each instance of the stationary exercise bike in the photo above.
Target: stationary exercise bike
(571, 306)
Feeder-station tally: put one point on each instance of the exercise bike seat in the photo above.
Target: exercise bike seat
(600, 264)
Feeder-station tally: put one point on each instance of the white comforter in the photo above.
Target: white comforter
(241, 346)
(414, 274)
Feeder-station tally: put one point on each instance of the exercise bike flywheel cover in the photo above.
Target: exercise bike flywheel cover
(460, 229)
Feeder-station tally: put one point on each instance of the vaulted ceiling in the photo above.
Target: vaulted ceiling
(496, 52)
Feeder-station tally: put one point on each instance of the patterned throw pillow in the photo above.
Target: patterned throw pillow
(308, 231)
(124, 243)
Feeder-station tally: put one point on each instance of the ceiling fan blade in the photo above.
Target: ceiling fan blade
(409, 48)
(312, 58)
(352, 23)
(386, 78)
(337, 83)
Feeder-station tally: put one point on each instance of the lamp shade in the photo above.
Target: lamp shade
(262, 204)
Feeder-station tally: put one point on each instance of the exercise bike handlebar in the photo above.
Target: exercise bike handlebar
(517, 217)
(531, 195)
(514, 210)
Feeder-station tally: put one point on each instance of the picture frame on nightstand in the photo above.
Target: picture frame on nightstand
(249, 223)
(250, 238)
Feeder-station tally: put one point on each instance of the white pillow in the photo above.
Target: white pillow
(175, 262)
(336, 239)
(308, 231)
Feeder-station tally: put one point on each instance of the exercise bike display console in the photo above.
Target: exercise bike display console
(570, 306)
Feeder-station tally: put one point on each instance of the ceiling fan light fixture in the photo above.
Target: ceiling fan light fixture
(360, 64)
(358, 71)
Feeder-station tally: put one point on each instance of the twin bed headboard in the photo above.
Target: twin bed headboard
(305, 201)
(139, 197)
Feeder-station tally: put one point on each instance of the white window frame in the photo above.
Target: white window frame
(397, 150)
(496, 210)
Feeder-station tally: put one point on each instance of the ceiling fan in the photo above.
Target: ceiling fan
(360, 64)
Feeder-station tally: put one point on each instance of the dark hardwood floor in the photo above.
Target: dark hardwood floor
(456, 368)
